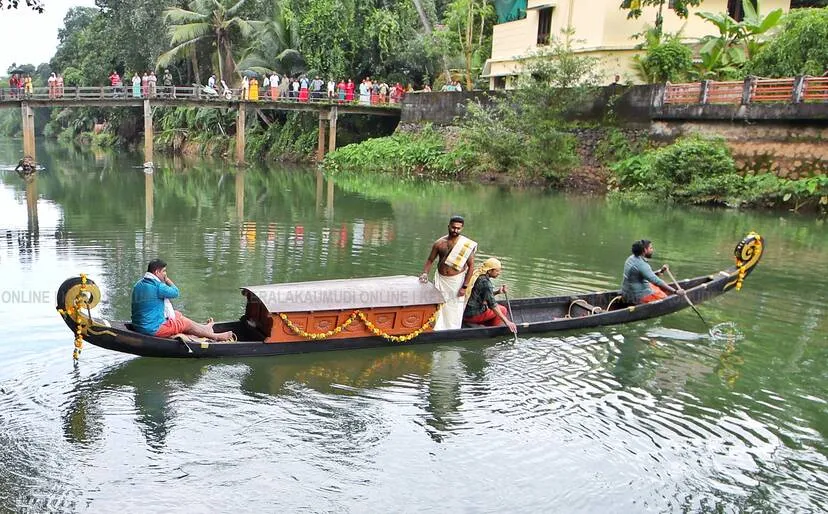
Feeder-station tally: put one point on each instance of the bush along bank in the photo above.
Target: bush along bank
(693, 170)
(701, 171)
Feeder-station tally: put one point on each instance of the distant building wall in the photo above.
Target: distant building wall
(601, 30)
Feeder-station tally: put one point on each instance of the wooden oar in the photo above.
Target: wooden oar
(688, 299)
(511, 317)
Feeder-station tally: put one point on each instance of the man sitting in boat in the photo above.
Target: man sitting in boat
(641, 284)
(482, 308)
(153, 313)
(456, 255)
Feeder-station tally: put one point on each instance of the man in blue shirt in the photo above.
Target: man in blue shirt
(641, 285)
(152, 311)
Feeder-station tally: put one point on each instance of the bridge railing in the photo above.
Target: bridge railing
(71, 93)
(751, 90)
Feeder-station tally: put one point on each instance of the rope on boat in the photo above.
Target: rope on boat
(617, 298)
(361, 315)
(592, 309)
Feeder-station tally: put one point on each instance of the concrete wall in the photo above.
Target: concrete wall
(631, 105)
(438, 108)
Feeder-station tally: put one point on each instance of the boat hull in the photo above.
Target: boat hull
(533, 315)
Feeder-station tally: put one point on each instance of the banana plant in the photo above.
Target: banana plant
(724, 56)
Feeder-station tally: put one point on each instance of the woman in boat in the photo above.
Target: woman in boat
(482, 308)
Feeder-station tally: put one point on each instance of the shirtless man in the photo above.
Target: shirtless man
(455, 255)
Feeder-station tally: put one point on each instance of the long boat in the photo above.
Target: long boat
(323, 315)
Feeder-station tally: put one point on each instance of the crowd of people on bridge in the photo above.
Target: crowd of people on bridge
(273, 87)
(143, 86)
(304, 89)
(20, 86)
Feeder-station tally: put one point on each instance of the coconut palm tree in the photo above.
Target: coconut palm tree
(207, 20)
(275, 45)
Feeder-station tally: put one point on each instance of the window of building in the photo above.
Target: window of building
(735, 11)
(544, 25)
(499, 83)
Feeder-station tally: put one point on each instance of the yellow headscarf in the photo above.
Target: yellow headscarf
(489, 264)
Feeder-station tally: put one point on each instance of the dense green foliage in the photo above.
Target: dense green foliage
(666, 58)
(523, 135)
(423, 154)
(766, 45)
(385, 39)
(702, 171)
(726, 56)
(801, 48)
(693, 169)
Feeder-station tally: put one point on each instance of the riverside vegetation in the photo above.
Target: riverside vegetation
(522, 138)
(525, 137)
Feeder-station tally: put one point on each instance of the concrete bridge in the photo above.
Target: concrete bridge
(177, 96)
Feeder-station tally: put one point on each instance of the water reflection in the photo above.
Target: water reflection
(650, 413)
(28, 240)
(155, 385)
(148, 200)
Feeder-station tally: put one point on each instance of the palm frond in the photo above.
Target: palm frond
(247, 28)
(176, 15)
(176, 52)
(232, 10)
(186, 32)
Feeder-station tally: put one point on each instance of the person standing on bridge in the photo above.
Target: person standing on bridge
(254, 89)
(245, 88)
(316, 86)
(51, 82)
(349, 91)
(59, 86)
(274, 86)
(340, 90)
(136, 85)
(168, 82)
(115, 83)
(152, 81)
(303, 89)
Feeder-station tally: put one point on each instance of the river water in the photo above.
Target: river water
(657, 416)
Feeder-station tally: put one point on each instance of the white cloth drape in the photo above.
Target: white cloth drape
(169, 312)
(451, 315)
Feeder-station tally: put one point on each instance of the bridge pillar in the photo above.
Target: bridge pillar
(320, 149)
(332, 128)
(148, 135)
(240, 139)
(28, 127)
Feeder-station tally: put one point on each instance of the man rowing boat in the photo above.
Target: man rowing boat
(456, 256)
(640, 284)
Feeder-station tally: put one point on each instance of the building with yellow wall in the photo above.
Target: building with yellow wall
(601, 30)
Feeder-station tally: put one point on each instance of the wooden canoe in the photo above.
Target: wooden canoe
(402, 317)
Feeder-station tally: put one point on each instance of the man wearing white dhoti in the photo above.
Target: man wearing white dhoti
(455, 256)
